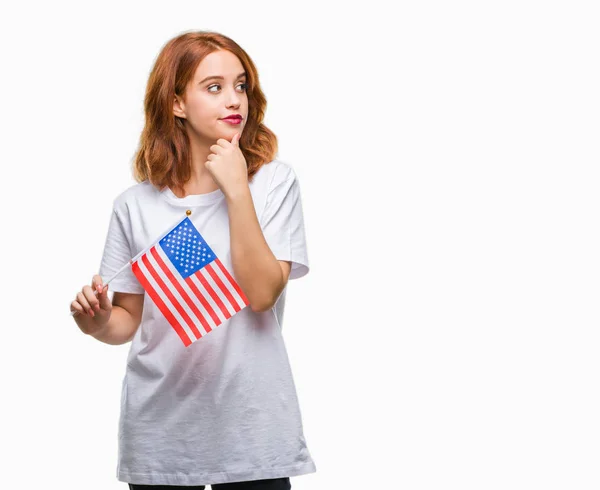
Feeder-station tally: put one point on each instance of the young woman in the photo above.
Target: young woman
(222, 411)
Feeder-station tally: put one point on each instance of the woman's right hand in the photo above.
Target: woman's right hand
(92, 312)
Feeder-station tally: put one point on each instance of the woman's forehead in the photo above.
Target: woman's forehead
(220, 65)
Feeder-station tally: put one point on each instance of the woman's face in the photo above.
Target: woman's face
(209, 100)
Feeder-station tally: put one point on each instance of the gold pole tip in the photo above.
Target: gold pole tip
(188, 212)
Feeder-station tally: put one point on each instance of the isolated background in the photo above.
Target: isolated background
(447, 334)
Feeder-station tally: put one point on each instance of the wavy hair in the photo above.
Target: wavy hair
(164, 155)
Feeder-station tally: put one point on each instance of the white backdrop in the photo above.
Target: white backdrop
(447, 335)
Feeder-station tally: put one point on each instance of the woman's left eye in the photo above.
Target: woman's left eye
(245, 85)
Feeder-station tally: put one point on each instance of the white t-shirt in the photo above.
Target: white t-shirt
(223, 409)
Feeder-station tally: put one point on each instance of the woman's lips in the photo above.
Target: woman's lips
(233, 120)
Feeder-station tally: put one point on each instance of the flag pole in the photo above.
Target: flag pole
(131, 261)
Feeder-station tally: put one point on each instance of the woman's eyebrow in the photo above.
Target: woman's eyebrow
(221, 78)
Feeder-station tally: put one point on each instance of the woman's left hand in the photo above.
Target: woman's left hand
(227, 166)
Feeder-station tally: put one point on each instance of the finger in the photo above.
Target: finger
(96, 279)
(91, 298)
(103, 298)
(84, 303)
(97, 284)
(236, 139)
(77, 308)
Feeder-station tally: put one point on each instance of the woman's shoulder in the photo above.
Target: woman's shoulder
(275, 172)
(135, 194)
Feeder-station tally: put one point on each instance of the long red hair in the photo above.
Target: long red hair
(164, 156)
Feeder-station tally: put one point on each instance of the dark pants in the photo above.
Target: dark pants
(270, 484)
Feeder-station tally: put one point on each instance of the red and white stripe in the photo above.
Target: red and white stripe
(195, 305)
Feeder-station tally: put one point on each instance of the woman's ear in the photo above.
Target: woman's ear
(178, 108)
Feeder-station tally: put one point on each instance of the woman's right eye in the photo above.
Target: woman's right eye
(217, 85)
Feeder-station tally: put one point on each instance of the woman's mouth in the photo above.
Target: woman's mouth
(233, 119)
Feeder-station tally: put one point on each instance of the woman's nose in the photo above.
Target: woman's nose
(234, 98)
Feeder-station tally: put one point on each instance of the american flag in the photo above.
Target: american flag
(188, 283)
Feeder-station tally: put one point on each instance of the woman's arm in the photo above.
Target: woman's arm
(260, 275)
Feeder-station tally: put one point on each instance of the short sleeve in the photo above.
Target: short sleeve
(282, 223)
(117, 252)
